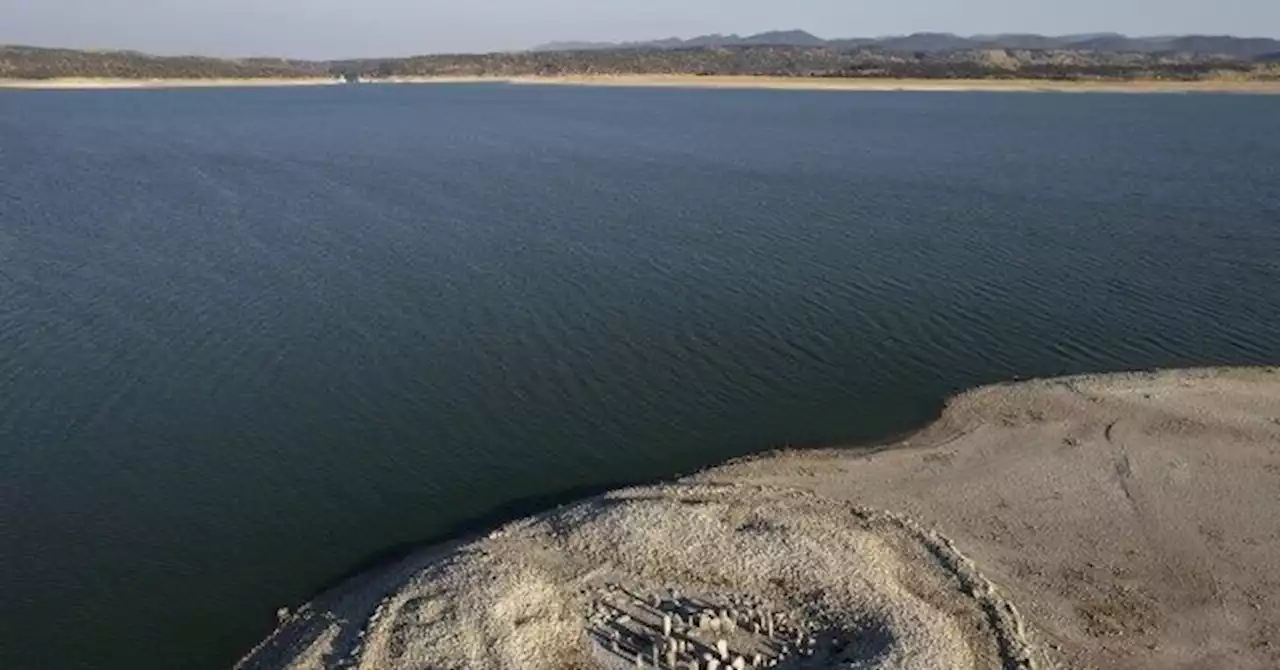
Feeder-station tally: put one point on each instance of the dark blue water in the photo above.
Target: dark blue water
(250, 338)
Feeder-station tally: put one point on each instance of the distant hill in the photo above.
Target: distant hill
(1229, 46)
(825, 61)
(923, 56)
(19, 62)
(777, 38)
(1236, 47)
(929, 42)
(789, 38)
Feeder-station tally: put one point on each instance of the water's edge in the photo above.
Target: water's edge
(524, 508)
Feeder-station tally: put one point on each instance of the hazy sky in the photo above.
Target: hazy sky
(338, 28)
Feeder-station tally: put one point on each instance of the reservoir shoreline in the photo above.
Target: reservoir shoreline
(1239, 86)
(1078, 505)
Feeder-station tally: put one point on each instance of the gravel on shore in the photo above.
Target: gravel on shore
(1110, 521)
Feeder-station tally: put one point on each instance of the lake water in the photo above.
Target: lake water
(250, 338)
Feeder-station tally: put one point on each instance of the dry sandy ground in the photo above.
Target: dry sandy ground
(92, 84)
(1122, 521)
(689, 81)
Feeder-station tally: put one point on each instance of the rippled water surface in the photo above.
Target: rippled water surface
(250, 338)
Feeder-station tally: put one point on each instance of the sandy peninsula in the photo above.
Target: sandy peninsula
(1243, 86)
(89, 83)
(1118, 521)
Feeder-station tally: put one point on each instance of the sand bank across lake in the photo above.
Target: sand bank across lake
(89, 83)
(1117, 521)
(692, 81)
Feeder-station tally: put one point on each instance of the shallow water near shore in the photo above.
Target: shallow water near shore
(249, 338)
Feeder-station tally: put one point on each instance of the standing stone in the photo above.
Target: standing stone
(722, 648)
(666, 625)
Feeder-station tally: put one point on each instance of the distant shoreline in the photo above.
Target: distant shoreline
(95, 83)
(871, 84)
(1257, 87)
